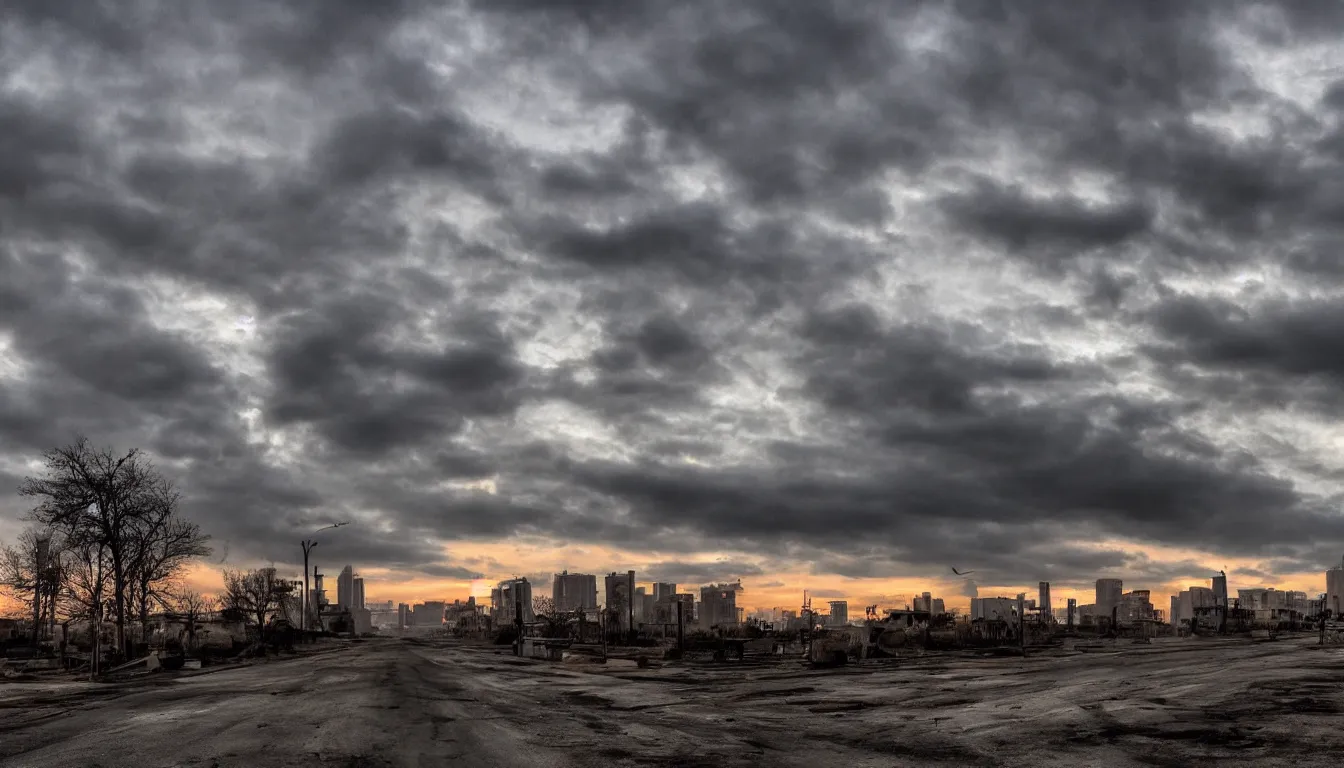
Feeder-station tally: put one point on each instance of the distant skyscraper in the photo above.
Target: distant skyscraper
(345, 588)
(663, 591)
(1109, 593)
(403, 615)
(839, 613)
(574, 591)
(620, 588)
(1334, 590)
(718, 605)
(1043, 601)
(357, 585)
(1220, 590)
(1072, 616)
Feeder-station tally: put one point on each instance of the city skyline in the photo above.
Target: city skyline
(1084, 596)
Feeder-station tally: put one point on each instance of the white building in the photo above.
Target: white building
(345, 588)
(1334, 590)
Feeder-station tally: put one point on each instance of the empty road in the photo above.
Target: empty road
(394, 703)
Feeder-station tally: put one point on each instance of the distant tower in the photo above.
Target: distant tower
(345, 588)
(1220, 590)
(1073, 611)
(1043, 602)
(1109, 593)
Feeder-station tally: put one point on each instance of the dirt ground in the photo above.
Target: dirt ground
(1186, 702)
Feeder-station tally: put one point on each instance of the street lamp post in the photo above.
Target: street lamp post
(308, 545)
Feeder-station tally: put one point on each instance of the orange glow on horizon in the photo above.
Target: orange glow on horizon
(538, 560)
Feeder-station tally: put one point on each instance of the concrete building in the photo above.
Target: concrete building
(403, 615)
(1262, 599)
(663, 590)
(363, 619)
(1334, 590)
(345, 588)
(994, 609)
(464, 618)
(574, 592)
(839, 613)
(1043, 600)
(939, 607)
(718, 605)
(1109, 594)
(1135, 606)
(357, 591)
(428, 614)
(1071, 613)
(505, 599)
(1298, 601)
(619, 602)
(1219, 586)
(643, 605)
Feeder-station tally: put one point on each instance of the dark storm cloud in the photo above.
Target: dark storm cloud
(1010, 218)
(407, 236)
(1267, 354)
(449, 572)
(982, 476)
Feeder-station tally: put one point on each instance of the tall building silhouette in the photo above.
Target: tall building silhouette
(1109, 594)
(345, 588)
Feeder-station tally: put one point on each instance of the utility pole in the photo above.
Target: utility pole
(630, 599)
(43, 549)
(308, 545)
(1022, 621)
(517, 620)
(681, 628)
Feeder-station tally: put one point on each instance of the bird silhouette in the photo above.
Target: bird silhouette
(962, 573)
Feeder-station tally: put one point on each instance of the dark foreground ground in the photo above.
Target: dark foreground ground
(394, 703)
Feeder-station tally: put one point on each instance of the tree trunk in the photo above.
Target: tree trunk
(119, 587)
(97, 622)
(37, 612)
(144, 611)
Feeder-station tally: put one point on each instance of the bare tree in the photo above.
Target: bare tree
(191, 608)
(160, 547)
(556, 622)
(30, 573)
(85, 581)
(255, 594)
(94, 497)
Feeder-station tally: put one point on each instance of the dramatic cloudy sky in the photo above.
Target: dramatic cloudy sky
(814, 294)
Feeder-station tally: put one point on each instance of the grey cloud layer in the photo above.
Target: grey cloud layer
(793, 301)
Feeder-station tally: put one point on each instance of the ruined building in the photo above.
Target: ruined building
(504, 600)
(574, 592)
(718, 605)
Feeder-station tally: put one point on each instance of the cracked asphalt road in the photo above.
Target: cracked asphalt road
(394, 703)
(381, 703)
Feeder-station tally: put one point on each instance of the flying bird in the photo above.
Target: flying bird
(962, 573)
